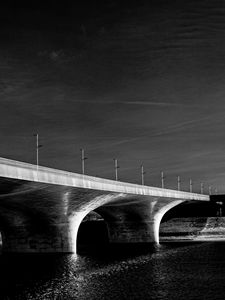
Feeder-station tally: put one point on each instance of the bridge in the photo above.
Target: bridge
(42, 208)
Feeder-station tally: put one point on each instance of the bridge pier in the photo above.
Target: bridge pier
(132, 232)
(137, 222)
(21, 239)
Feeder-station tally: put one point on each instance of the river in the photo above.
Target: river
(172, 271)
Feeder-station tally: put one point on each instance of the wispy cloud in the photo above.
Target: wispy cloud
(168, 130)
(136, 103)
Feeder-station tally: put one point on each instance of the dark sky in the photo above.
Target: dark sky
(140, 81)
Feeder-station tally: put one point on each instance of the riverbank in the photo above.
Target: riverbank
(193, 229)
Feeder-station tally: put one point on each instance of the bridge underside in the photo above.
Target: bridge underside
(41, 217)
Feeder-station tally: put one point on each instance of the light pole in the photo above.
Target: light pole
(210, 190)
(37, 149)
(162, 180)
(116, 168)
(178, 183)
(83, 158)
(202, 187)
(142, 175)
(190, 186)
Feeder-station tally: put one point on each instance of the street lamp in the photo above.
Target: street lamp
(191, 186)
(83, 158)
(178, 183)
(37, 149)
(142, 175)
(162, 179)
(202, 187)
(116, 167)
(210, 190)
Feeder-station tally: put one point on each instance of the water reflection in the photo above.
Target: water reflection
(170, 272)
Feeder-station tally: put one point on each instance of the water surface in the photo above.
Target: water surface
(177, 271)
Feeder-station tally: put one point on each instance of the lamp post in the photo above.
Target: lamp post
(142, 175)
(116, 167)
(210, 190)
(191, 186)
(202, 187)
(83, 158)
(162, 179)
(178, 183)
(37, 149)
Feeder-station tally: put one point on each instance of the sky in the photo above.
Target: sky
(139, 81)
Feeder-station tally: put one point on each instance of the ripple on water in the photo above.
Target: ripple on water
(173, 272)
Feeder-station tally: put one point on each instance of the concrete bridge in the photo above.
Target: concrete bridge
(41, 208)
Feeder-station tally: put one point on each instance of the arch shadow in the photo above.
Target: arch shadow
(93, 234)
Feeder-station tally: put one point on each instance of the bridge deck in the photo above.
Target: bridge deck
(24, 171)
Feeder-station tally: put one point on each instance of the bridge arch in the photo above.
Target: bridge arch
(92, 233)
(128, 219)
(186, 220)
(158, 215)
(133, 220)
